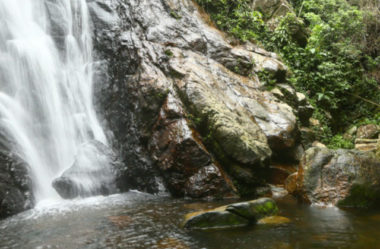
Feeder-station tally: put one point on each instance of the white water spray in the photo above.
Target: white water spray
(46, 106)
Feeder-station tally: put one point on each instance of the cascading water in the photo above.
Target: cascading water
(46, 107)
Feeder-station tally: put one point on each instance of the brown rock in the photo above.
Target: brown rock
(280, 172)
(366, 147)
(291, 183)
(186, 164)
(368, 131)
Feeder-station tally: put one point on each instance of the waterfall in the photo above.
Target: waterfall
(46, 107)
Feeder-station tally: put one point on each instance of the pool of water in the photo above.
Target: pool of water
(137, 220)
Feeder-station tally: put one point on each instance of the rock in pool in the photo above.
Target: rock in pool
(234, 215)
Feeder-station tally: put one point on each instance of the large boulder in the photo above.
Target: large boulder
(92, 173)
(346, 178)
(186, 166)
(15, 185)
(227, 129)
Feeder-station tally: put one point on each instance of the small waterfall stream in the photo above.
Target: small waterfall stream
(46, 107)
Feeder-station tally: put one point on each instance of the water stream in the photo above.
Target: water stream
(46, 107)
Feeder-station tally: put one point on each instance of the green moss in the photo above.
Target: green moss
(338, 141)
(168, 53)
(269, 208)
(361, 196)
(175, 15)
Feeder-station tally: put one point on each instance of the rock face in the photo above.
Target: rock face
(15, 185)
(93, 161)
(342, 177)
(234, 215)
(181, 156)
(184, 104)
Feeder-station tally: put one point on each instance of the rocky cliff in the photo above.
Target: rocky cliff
(184, 103)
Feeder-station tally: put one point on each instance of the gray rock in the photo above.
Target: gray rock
(92, 173)
(338, 177)
(15, 185)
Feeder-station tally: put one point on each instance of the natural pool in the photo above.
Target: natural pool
(137, 220)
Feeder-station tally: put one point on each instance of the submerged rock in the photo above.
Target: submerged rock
(233, 215)
(15, 185)
(92, 173)
(216, 219)
(347, 178)
(274, 220)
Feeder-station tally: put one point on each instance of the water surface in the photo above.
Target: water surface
(136, 220)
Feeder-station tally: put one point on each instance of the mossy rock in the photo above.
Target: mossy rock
(254, 210)
(361, 196)
(235, 215)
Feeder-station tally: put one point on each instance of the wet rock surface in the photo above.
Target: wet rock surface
(346, 178)
(182, 159)
(15, 185)
(182, 103)
(93, 161)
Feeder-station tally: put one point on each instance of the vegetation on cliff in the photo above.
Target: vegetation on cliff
(332, 48)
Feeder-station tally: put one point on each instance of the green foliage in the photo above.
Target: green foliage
(236, 18)
(268, 79)
(338, 141)
(326, 48)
